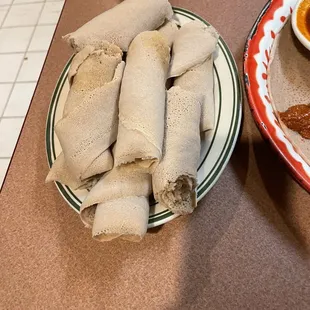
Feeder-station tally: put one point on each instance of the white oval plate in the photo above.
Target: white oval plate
(217, 144)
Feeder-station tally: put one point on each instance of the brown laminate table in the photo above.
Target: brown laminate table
(245, 247)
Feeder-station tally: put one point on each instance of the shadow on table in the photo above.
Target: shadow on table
(99, 268)
(206, 227)
(255, 172)
(282, 190)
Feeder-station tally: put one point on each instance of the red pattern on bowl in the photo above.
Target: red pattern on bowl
(256, 62)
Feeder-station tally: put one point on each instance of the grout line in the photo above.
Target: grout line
(8, 4)
(24, 3)
(10, 117)
(5, 16)
(15, 82)
(27, 26)
(4, 157)
(21, 64)
(28, 52)
(17, 26)
(18, 82)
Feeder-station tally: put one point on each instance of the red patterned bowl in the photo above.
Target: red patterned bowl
(256, 63)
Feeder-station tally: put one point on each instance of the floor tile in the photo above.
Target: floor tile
(3, 10)
(42, 38)
(20, 99)
(4, 164)
(4, 2)
(9, 65)
(26, 1)
(15, 39)
(51, 12)
(4, 95)
(23, 15)
(9, 132)
(31, 67)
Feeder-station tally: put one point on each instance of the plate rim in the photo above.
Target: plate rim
(261, 119)
(232, 136)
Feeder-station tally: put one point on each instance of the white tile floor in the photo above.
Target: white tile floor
(26, 30)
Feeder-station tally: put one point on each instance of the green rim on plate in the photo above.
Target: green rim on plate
(230, 138)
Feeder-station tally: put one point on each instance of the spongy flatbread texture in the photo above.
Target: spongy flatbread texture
(200, 80)
(289, 82)
(61, 173)
(193, 44)
(142, 102)
(169, 30)
(89, 125)
(121, 24)
(126, 218)
(88, 63)
(116, 185)
(174, 179)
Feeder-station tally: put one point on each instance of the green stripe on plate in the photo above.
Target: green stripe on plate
(159, 218)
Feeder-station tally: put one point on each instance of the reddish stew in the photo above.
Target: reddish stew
(297, 118)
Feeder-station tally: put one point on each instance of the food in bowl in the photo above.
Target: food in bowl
(297, 118)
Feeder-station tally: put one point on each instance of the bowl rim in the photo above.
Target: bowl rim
(264, 125)
(303, 40)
